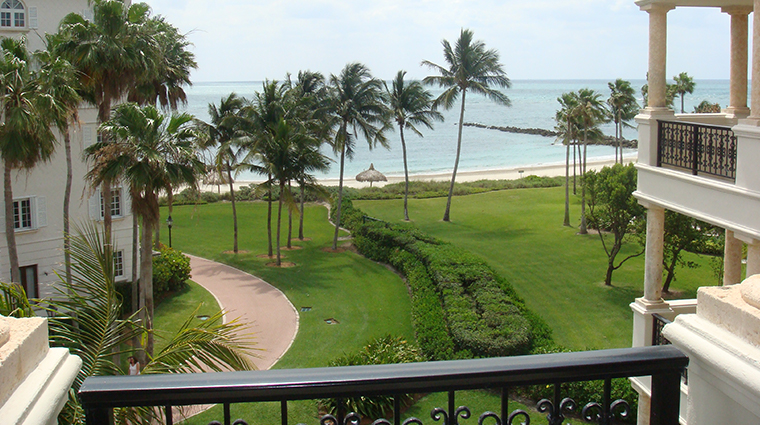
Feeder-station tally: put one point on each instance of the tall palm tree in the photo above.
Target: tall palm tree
(410, 104)
(684, 84)
(25, 135)
(589, 113)
(221, 134)
(470, 67)
(356, 107)
(623, 108)
(113, 52)
(565, 117)
(149, 151)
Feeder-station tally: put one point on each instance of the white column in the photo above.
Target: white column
(654, 249)
(755, 110)
(753, 258)
(658, 30)
(732, 260)
(737, 106)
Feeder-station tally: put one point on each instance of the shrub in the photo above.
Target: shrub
(171, 270)
(383, 350)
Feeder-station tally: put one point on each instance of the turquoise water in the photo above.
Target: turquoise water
(534, 103)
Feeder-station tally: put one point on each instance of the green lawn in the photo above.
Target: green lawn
(367, 299)
(559, 274)
(172, 311)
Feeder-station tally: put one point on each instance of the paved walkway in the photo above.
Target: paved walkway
(271, 317)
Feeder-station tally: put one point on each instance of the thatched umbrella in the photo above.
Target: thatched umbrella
(371, 175)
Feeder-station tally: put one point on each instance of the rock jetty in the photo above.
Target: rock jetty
(607, 140)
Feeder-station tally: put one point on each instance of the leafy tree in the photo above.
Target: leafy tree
(470, 67)
(706, 107)
(682, 233)
(113, 52)
(410, 104)
(25, 135)
(613, 209)
(684, 84)
(356, 107)
(219, 135)
(623, 108)
(150, 152)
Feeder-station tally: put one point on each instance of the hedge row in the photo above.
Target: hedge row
(452, 291)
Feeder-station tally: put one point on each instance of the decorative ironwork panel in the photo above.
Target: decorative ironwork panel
(701, 149)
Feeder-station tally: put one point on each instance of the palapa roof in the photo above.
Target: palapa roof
(371, 175)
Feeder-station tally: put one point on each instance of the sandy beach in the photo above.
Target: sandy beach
(551, 170)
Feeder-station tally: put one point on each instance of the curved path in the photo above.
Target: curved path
(271, 317)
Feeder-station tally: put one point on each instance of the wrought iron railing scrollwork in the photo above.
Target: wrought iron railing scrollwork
(658, 323)
(99, 395)
(699, 148)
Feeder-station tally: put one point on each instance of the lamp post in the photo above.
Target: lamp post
(169, 223)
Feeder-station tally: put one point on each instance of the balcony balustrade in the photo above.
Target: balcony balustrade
(99, 395)
(701, 149)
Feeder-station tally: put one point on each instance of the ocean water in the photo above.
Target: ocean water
(534, 104)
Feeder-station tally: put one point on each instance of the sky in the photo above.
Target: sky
(253, 40)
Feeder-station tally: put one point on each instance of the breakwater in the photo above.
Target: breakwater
(606, 141)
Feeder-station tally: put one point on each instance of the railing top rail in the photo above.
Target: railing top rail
(720, 127)
(295, 384)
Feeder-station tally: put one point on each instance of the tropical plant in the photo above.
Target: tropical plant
(623, 108)
(707, 107)
(112, 52)
(355, 106)
(219, 135)
(683, 84)
(25, 135)
(470, 67)
(590, 113)
(567, 131)
(613, 209)
(85, 318)
(150, 152)
(411, 105)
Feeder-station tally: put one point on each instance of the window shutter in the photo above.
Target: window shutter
(41, 207)
(126, 203)
(87, 135)
(95, 206)
(33, 17)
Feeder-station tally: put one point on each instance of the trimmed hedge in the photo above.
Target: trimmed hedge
(481, 313)
(171, 270)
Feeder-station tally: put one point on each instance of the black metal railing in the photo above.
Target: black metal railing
(99, 395)
(701, 149)
(658, 323)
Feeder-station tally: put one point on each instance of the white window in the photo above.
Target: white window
(118, 264)
(115, 203)
(119, 204)
(29, 213)
(12, 14)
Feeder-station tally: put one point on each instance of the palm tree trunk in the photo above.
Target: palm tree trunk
(300, 219)
(567, 182)
(575, 148)
(406, 172)
(146, 280)
(446, 216)
(290, 219)
(340, 198)
(135, 278)
(269, 218)
(234, 211)
(10, 232)
(104, 113)
(583, 229)
(279, 221)
(67, 207)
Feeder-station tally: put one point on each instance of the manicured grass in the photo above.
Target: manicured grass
(174, 310)
(366, 298)
(559, 274)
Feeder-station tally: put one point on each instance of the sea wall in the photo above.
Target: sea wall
(606, 141)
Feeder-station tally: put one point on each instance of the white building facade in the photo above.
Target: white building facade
(705, 166)
(38, 194)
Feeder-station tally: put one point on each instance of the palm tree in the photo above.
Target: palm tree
(113, 52)
(25, 135)
(356, 106)
(410, 105)
(565, 117)
(149, 151)
(220, 134)
(623, 108)
(470, 67)
(589, 113)
(684, 84)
